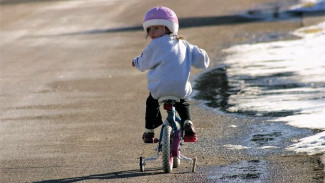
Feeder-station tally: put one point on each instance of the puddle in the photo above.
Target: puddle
(265, 138)
(280, 81)
(272, 137)
(253, 171)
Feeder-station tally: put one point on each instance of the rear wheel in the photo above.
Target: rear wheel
(176, 162)
(141, 164)
(175, 143)
(194, 164)
(167, 159)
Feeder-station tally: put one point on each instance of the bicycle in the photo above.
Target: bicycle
(171, 136)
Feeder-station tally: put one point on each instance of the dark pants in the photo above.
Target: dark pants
(153, 115)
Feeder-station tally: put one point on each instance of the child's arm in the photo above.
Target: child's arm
(200, 58)
(148, 58)
(139, 62)
(136, 60)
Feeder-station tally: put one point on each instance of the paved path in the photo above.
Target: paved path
(72, 107)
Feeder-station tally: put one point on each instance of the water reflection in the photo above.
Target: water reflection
(278, 79)
(214, 89)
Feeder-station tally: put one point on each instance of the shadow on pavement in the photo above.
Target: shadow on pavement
(184, 23)
(189, 23)
(108, 176)
(249, 17)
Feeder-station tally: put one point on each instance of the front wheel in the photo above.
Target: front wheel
(167, 159)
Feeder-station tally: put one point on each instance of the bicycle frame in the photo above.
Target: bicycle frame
(175, 122)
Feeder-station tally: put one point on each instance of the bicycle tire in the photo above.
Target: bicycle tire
(176, 162)
(141, 164)
(167, 159)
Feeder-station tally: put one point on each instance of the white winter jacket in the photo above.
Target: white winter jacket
(169, 62)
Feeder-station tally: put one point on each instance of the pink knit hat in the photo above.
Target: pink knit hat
(161, 16)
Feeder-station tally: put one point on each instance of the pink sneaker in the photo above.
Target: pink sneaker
(190, 135)
(149, 138)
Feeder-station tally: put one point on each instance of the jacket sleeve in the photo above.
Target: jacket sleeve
(148, 58)
(200, 58)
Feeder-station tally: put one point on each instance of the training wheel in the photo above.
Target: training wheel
(194, 164)
(142, 164)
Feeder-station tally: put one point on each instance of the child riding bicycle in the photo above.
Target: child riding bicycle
(169, 59)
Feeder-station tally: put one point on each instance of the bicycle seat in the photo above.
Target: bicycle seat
(168, 98)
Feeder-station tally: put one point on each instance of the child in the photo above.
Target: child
(168, 59)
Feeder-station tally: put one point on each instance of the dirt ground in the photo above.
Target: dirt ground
(72, 107)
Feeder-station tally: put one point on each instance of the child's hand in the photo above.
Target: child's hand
(133, 64)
